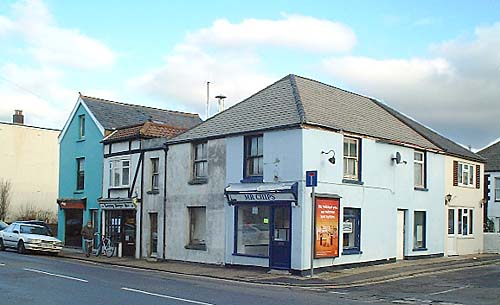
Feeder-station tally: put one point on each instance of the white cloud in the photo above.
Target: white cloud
(295, 31)
(228, 55)
(54, 45)
(457, 91)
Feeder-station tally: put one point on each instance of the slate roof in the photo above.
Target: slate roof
(492, 156)
(146, 130)
(294, 102)
(112, 115)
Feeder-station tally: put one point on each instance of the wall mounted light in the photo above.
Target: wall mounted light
(331, 159)
(447, 199)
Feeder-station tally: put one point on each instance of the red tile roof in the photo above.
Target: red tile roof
(146, 130)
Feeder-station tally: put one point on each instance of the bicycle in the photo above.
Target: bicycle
(106, 246)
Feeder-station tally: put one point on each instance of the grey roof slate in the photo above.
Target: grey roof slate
(112, 115)
(294, 101)
(492, 156)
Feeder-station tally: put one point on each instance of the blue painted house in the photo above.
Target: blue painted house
(81, 156)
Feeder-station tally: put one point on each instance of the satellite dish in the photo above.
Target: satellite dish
(397, 158)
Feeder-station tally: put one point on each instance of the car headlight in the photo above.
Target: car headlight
(58, 243)
(33, 241)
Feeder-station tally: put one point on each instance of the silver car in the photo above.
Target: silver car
(29, 237)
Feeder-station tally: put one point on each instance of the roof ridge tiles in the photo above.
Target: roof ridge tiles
(138, 106)
(298, 100)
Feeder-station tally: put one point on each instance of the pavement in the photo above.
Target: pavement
(339, 278)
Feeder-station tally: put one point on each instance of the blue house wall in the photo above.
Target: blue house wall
(72, 147)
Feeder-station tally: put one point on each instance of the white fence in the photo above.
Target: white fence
(492, 243)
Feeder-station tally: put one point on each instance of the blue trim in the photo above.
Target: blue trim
(420, 249)
(248, 255)
(252, 179)
(423, 189)
(349, 181)
(351, 252)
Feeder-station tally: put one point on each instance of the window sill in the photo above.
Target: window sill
(349, 181)
(467, 186)
(255, 179)
(118, 188)
(422, 189)
(249, 255)
(196, 247)
(80, 140)
(465, 236)
(198, 181)
(351, 252)
(153, 192)
(78, 192)
(419, 249)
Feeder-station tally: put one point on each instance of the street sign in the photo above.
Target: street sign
(311, 178)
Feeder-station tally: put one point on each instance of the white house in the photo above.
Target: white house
(380, 187)
(492, 183)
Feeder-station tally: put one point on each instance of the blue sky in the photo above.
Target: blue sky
(436, 61)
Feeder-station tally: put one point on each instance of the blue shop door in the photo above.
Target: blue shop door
(280, 252)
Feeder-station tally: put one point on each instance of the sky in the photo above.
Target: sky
(436, 61)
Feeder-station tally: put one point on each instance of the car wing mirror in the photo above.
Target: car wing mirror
(15, 232)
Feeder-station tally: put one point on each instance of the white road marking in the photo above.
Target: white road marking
(449, 290)
(57, 275)
(2, 264)
(165, 296)
(337, 292)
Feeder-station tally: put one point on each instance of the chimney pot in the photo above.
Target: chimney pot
(18, 117)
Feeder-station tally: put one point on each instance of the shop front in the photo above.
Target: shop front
(263, 221)
(119, 224)
(73, 220)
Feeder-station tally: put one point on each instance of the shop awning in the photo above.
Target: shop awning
(118, 203)
(268, 193)
(72, 203)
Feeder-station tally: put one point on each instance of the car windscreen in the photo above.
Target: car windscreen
(34, 230)
(3, 225)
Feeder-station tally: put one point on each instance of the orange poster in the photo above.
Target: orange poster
(326, 228)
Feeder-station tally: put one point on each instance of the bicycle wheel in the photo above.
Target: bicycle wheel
(110, 251)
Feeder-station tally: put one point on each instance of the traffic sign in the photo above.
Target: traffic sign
(311, 178)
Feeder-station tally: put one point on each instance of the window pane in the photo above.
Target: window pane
(418, 174)
(350, 227)
(419, 230)
(451, 221)
(260, 146)
(352, 167)
(253, 147)
(459, 221)
(346, 148)
(116, 177)
(465, 178)
(418, 156)
(345, 167)
(126, 176)
(471, 174)
(197, 225)
(253, 230)
(465, 224)
(353, 149)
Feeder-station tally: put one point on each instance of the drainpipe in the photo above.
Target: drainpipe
(141, 162)
(165, 149)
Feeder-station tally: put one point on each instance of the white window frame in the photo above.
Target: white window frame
(349, 156)
(497, 188)
(419, 184)
(466, 174)
(465, 214)
(116, 166)
(155, 173)
(81, 126)
(203, 159)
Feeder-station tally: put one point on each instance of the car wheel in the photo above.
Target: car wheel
(20, 247)
(2, 247)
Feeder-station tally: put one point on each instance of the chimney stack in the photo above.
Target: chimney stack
(18, 117)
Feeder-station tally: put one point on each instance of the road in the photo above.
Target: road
(40, 279)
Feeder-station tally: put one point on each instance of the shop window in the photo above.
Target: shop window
(80, 173)
(419, 169)
(351, 228)
(497, 188)
(451, 221)
(351, 159)
(254, 157)
(197, 228)
(81, 126)
(419, 230)
(252, 237)
(200, 161)
(465, 222)
(155, 164)
(119, 173)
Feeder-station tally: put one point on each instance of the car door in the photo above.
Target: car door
(9, 235)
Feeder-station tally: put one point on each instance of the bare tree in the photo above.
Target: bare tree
(29, 211)
(5, 192)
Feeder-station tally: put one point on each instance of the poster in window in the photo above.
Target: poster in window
(326, 228)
